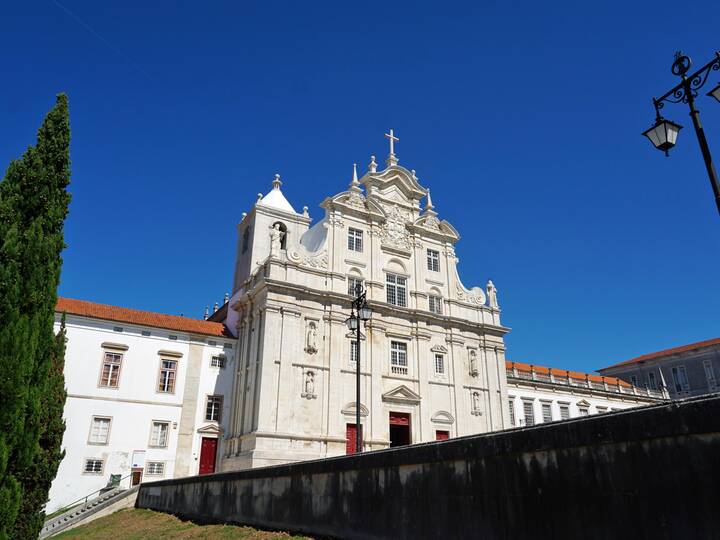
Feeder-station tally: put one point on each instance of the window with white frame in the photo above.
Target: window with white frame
(439, 364)
(355, 240)
(99, 430)
(353, 352)
(396, 287)
(652, 384)
(709, 373)
(168, 373)
(217, 360)
(110, 375)
(511, 409)
(584, 410)
(433, 260)
(564, 411)
(680, 379)
(353, 283)
(93, 466)
(529, 413)
(546, 412)
(155, 468)
(159, 434)
(398, 357)
(213, 408)
(435, 304)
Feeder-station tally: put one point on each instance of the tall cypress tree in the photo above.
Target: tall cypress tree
(33, 206)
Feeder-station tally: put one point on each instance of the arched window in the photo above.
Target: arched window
(283, 238)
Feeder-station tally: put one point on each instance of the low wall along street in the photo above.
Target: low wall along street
(652, 472)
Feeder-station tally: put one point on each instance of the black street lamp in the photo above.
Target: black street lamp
(359, 312)
(663, 133)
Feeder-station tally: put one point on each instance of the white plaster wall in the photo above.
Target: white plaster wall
(519, 393)
(133, 405)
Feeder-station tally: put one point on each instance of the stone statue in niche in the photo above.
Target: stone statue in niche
(309, 385)
(275, 240)
(476, 403)
(492, 295)
(473, 364)
(311, 339)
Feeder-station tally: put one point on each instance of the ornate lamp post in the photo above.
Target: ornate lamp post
(360, 312)
(663, 133)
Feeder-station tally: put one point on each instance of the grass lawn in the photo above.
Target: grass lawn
(133, 524)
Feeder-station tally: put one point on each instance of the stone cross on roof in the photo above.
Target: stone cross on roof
(392, 159)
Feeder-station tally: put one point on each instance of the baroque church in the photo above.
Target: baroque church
(270, 376)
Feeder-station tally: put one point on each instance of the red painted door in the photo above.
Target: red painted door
(399, 429)
(399, 419)
(208, 452)
(350, 436)
(441, 435)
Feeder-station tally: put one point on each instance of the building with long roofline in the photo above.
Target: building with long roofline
(269, 376)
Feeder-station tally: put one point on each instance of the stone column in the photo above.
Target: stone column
(291, 339)
(186, 429)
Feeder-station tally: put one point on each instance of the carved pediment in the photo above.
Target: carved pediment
(351, 407)
(353, 335)
(439, 349)
(211, 429)
(432, 226)
(442, 417)
(401, 394)
(394, 180)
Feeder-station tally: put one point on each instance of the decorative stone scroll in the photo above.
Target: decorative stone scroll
(393, 233)
(311, 260)
(473, 296)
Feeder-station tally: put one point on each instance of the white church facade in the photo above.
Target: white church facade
(270, 377)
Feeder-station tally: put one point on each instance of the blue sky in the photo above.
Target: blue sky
(524, 118)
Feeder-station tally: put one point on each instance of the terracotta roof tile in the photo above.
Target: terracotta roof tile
(143, 318)
(667, 352)
(521, 366)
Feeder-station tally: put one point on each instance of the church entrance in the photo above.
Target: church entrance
(399, 429)
(351, 438)
(208, 452)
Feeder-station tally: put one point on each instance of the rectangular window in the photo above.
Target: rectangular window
(93, 466)
(564, 412)
(355, 240)
(168, 371)
(110, 375)
(511, 408)
(353, 352)
(583, 410)
(353, 282)
(155, 468)
(435, 304)
(546, 412)
(709, 373)
(601, 410)
(433, 260)
(159, 434)
(651, 381)
(99, 430)
(213, 408)
(398, 357)
(396, 288)
(529, 413)
(439, 364)
(217, 361)
(680, 379)
(441, 435)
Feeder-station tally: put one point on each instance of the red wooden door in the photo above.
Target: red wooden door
(399, 419)
(441, 435)
(350, 436)
(208, 452)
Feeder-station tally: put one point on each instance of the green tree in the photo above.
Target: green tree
(33, 207)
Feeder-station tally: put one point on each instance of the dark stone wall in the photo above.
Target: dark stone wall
(652, 472)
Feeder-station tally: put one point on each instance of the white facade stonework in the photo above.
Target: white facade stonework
(432, 356)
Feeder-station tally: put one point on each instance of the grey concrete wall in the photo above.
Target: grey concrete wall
(652, 472)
